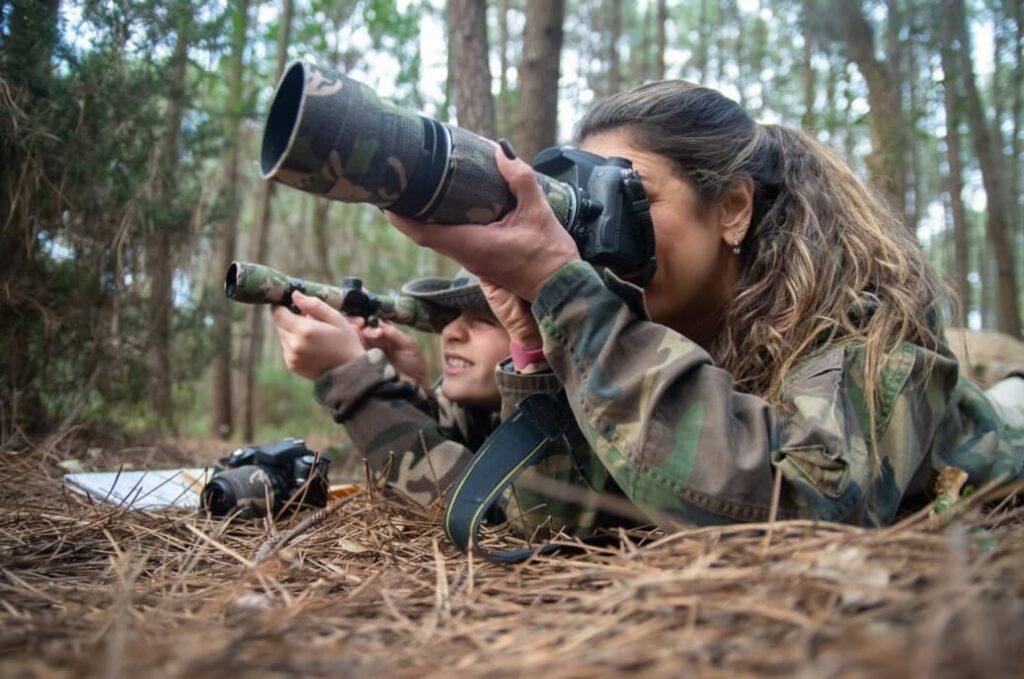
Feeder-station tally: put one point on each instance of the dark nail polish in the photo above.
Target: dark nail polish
(506, 148)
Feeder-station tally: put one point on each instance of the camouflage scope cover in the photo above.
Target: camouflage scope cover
(332, 136)
(258, 284)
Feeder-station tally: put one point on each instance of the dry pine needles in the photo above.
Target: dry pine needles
(374, 589)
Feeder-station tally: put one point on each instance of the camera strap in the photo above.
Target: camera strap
(537, 427)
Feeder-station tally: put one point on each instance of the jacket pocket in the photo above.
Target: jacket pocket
(828, 475)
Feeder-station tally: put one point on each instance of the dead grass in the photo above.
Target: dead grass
(376, 590)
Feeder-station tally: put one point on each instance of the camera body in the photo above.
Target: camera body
(611, 218)
(258, 480)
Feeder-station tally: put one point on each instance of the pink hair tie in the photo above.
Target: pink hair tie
(522, 357)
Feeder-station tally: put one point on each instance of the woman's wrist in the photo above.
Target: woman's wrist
(526, 356)
(533, 368)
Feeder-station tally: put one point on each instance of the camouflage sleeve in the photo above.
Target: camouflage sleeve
(384, 415)
(514, 387)
(982, 437)
(669, 428)
(468, 425)
(530, 510)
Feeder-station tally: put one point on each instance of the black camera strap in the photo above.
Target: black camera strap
(537, 427)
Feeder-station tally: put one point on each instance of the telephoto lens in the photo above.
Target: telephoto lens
(334, 137)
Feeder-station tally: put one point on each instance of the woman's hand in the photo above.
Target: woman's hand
(400, 349)
(514, 314)
(318, 340)
(518, 253)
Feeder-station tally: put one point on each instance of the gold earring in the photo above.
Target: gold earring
(736, 245)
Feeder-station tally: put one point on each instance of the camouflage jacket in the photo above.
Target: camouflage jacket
(660, 424)
(430, 437)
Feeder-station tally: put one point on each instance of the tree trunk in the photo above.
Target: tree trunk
(26, 55)
(807, 120)
(537, 119)
(325, 271)
(471, 75)
(916, 173)
(732, 14)
(849, 138)
(445, 114)
(895, 57)
(643, 70)
(723, 38)
(894, 40)
(258, 250)
(831, 115)
(994, 178)
(662, 41)
(321, 206)
(1017, 107)
(614, 83)
(159, 252)
(223, 413)
(504, 122)
(961, 237)
(989, 312)
(160, 256)
(354, 244)
(886, 162)
(701, 56)
(998, 82)
(759, 41)
(1018, 102)
(1002, 102)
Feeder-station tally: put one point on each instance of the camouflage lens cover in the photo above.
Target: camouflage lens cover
(332, 136)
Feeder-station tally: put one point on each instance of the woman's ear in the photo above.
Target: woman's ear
(735, 210)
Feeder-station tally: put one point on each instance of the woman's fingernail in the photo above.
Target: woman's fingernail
(506, 148)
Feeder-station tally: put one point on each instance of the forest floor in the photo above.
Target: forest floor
(376, 590)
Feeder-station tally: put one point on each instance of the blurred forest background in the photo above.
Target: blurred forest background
(129, 135)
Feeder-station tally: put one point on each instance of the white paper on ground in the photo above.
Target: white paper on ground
(151, 489)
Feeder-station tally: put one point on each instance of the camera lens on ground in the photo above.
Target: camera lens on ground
(218, 498)
(248, 489)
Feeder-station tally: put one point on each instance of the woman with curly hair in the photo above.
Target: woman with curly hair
(791, 332)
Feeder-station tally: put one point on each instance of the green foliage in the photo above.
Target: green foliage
(79, 128)
(191, 406)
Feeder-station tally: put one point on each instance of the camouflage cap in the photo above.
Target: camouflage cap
(461, 293)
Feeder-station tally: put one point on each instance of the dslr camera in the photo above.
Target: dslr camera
(258, 480)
